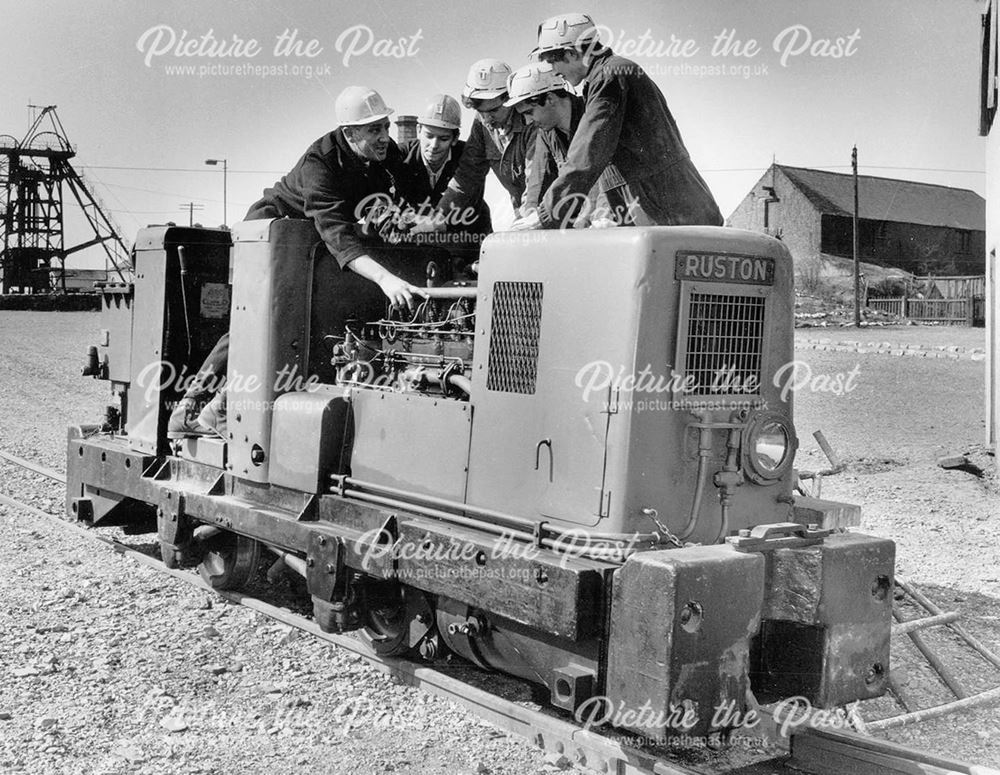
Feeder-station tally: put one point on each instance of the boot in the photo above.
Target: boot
(184, 419)
(213, 417)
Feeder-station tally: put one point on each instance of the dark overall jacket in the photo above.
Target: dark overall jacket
(416, 190)
(627, 124)
(335, 188)
(551, 153)
(481, 155)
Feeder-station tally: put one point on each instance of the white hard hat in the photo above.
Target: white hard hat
(531, 80)
(442, 111)
(358, 105)
(487, 79)
(569, 30)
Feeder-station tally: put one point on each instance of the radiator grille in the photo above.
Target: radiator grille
(725, 334)
(514, 331)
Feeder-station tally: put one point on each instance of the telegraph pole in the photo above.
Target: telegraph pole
(225, 172)
(191, 207)
(857, 259)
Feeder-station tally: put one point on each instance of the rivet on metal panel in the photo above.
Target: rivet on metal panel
(874, 673)
(691, 617)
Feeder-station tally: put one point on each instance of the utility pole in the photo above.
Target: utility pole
(857, 259)
(191, 207)
(225, 174)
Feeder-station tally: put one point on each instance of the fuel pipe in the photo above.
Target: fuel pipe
(704, 450)
(729, 478)
(726, 480)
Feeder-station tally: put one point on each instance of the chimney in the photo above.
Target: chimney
(406, 129)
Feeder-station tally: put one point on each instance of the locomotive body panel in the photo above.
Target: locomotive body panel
(509, 470)
(269, 335)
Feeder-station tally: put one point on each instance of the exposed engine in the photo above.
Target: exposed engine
(428, 352)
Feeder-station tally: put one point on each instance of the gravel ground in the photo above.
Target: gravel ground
(903, 414)
(103, 661)
(109, 668)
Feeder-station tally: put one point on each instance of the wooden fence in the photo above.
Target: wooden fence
(967, 312)
(954, 300)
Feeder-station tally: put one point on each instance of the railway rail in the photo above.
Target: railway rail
(810, 750)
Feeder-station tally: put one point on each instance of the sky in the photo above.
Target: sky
(147, 92)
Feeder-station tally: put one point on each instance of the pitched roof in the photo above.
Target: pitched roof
(887, 199)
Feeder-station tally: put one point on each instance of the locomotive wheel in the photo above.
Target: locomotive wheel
(229, 560)
(396, 620)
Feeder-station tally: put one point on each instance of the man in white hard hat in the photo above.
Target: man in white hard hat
(627, 124)
(351, 167)
(499, 140)
(338, 177)
(547, 101)
(430, 161)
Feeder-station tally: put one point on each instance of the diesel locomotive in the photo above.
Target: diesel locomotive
(575, 468)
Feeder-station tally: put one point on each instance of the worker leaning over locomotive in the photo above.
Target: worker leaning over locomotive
(544, 98)
(355, 164)
(500, 140)
(613, 157)
(626, 123)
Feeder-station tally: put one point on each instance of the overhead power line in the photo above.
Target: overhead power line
(178, 169)
(726, 169)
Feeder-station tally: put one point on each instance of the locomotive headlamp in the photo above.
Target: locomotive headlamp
(769, 447)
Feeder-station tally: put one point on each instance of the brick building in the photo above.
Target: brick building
(920, 228)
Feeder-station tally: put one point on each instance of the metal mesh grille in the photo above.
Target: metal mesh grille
(724, 340)
(515, 326)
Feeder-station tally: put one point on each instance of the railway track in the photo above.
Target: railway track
(815, 751)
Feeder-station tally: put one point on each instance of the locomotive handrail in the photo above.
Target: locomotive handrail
(524, 528)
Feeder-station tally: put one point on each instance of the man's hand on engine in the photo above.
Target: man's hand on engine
(399, 292)
(529, 221)
(427, 224)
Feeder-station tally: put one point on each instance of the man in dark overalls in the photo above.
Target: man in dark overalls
(337, 183)
(626, 123)
(429, 163)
